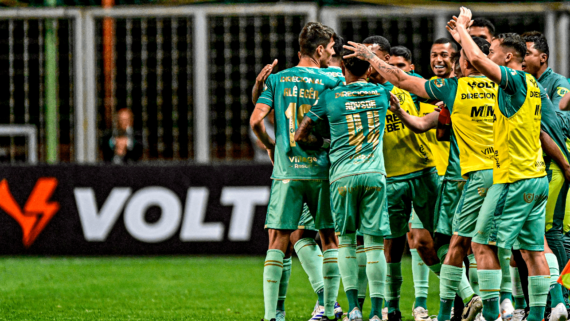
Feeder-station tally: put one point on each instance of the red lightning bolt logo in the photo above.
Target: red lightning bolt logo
(38, 210)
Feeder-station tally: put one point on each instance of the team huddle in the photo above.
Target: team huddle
(469, 166)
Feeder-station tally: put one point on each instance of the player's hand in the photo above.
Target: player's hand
(439, 106)
(464, 18)
(360, 51)
(452, 29)
(394, 103)
(260, 80)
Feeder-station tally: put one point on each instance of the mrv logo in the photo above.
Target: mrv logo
(97, 223)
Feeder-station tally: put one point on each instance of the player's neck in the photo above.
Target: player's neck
(471, 72)
(350, 78)
(514, 65)
(541, 71)
(309, 62)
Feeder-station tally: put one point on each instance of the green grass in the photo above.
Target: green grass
(157, 288)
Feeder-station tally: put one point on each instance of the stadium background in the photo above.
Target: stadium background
(186, 69)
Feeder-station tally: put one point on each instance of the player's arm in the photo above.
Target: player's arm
(394, 75)
(260, 81)
(564, 103)
(257, 125)
(475, 56)
(551, 149)
(416, 124)
(306, 138)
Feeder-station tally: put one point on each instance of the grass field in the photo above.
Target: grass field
(157, 288)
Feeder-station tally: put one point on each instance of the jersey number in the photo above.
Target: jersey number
(356, 131)
(295, 117)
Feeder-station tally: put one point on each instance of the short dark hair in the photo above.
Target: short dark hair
(314, 34)
(443, 41)
(338, 43)
(514, 41)
(356, 66)
(539, 40)
(382, 42)
(401, 51)
(484, 23)
(483, 44)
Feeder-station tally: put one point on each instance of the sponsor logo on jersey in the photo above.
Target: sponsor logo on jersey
(561, 91)
(37, 212)
(475, 84)
(439, 82)
(528, 197)
(482, 191)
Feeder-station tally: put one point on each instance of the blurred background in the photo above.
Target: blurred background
(186, 68)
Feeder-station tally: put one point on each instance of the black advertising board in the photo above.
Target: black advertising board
(133, 210)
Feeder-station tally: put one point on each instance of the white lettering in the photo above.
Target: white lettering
(244, 200)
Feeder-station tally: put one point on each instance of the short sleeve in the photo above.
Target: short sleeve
(268, 92)
(442, 89)
(562, 87)
(512, 81)
(318, 111)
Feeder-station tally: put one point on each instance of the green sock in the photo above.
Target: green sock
(473, 277)
(393, 285)
(464, 289)
(376, 308)
(420, 302)
(445, 306)
(449, 280)
(556, 295)
(362, 279)
(331, 276)
(272, 272)
(506, 281)
(518, 295)
(436, 268)
(321, 297)
(348, 267)
(311, 259)
(420, 273)
(284, 283)
(489, 285)
(504, 296)
(538, 286)
(375, 270)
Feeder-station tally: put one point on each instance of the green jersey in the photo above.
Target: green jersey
(556, 86)
(514, 83)
(291, 93)
(356, 114)
(334, 72)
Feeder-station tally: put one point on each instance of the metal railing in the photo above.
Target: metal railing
(186, 72)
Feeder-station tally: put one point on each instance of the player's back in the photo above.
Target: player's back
(291, 93)
(334, 72)
(356, 113)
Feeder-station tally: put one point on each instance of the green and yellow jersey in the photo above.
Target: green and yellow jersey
(470, 101)
(555, 85)
(334, 72)
(518, 151)
(407, 154)
(356, 113)
(291, 93)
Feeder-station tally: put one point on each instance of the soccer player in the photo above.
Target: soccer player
(299, 176)
(401, 57)
(442, 55)
(482, 28)
(412, 181)
(333, 70)
(470, 100)
(556, 86)
(356, 114)
(513, 213)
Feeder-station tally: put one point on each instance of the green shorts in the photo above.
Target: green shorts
(513, 215)
(557, 193)
(415, 221)
(417, 192)
(470, 203)
(306, 222)
(449, 195)
(359, 204)
(288, 198)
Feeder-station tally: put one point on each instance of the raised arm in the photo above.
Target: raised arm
(416, 124)
(260, 81)
(475, 56)
(394, 75)
(256, 122)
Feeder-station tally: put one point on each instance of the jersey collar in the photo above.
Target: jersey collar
(545, 74)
